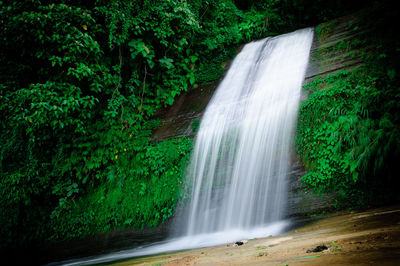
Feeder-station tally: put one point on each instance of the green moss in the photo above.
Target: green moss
(324, 30)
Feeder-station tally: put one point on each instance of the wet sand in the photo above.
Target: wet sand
(369, 237)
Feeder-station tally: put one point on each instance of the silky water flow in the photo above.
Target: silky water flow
(237, 176)
(240, 161)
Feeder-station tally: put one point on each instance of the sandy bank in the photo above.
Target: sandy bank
(352, 238)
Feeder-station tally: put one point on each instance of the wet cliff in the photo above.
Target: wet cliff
(330, 53)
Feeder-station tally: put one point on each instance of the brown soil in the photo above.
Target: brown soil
(354, 238)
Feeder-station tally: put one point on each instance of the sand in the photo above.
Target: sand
(369, 237)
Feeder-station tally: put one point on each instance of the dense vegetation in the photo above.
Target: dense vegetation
(349, 126)
(81, 83)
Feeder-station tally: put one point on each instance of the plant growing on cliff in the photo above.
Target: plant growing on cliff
(349, 123)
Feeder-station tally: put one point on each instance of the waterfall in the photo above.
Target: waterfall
(237, 174)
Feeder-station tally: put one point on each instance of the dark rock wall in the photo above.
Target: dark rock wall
(179, 119)
(325, 57)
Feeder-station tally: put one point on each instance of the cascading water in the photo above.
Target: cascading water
(237, 174)
(239, 164)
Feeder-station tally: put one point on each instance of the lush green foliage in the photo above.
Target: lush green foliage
(80, 81)
(350, 123)
(146, 200)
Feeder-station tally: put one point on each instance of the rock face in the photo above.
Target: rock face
(184, 115)
(301, 201)
(329, 54)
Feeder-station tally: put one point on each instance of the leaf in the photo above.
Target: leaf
(128, 221)
(336, 245)
(193, 58)
(151, 63)
(192, 79)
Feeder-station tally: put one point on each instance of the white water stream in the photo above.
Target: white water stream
(241, 156)
(237, 175)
